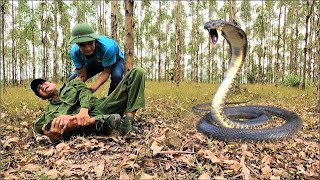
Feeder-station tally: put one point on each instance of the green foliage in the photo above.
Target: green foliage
(292, 80)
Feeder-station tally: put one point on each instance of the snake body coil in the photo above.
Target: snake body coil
(223, 123)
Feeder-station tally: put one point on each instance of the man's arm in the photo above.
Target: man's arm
(103, 77)
(64, 124)
(82, 74)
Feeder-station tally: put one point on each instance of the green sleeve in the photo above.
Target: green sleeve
(85, 94)
(39, 122)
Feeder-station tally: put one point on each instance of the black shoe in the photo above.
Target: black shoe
(108, 122)
(126, 126)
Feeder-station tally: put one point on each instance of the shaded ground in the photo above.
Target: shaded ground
(167, 146)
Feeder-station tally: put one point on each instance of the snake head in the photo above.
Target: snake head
(232, 33)
(213, 27)
(214, 35)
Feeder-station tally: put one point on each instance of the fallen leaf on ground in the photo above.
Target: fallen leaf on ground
(124, 175)
(245, 170)
(211, 156)
(204, 176)
(145, 176)
(7, 143)
(31, 167)
(52, 174)
(155, 148)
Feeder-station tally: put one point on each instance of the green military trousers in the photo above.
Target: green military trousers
(127, 97)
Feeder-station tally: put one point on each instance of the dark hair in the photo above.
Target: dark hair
(34, 85)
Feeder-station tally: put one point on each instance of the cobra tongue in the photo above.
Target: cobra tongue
(214, 40)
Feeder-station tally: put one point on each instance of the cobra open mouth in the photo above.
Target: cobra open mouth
(214, 36)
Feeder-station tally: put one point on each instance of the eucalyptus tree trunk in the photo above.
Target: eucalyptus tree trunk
(310, 8)
(177, 58)
(159, 39)
(284, 43)
(55, 42)
(166, 61)
(309, 60)
(245, 15)
(101, 19)
(114, 20)
(33, 43)
(4, 80)
(318, 86)
(294, 59)
(13, 50)
(232, 13)
(232, 19)
(276, 64)
(129, 37)
(137, 35)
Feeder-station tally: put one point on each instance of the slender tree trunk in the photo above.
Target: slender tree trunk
(114, 20)
(303, 82)
(100, 21)
(33, 45)
(166, 61)
(276, 64)
(55, 43)
(129, 38)
(43, 41)
(177, 58)
(4, 80)
(201, 64)
(232, 13)
(159, 46)
(284, 43)
(13, 51)
(318, 86)
(296, 35)
(309, 60)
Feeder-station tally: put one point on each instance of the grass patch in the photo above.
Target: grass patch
(169, 101)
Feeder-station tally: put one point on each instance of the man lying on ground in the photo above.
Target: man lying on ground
(74, 110)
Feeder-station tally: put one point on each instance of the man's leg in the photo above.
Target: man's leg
(116, 75)
(127, 98)
(101, 123)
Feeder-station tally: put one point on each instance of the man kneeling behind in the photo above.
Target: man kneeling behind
(73, 109)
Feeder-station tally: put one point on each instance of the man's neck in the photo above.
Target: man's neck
(55, 99)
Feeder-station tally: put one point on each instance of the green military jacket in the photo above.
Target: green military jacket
(74, 95)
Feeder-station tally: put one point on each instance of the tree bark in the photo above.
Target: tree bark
(284, 44)
(159, 46)
(318, 87)
(114, 21)
(13, 53)
(276, 64)
(3, 3)
(304, 73)
(55, 43)
(129, 38)
(177, 58)
(33, 45)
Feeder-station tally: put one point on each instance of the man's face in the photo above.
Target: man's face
(87, 48)
(47, 90)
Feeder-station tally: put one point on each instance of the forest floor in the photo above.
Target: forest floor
(167, 144)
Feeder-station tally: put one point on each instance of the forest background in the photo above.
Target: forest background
(181, 66)
(283, 38)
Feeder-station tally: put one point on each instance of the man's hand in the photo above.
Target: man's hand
(83, 118)
(58, 126)
(92, 89)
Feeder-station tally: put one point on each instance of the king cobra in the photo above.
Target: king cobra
(241, 122)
